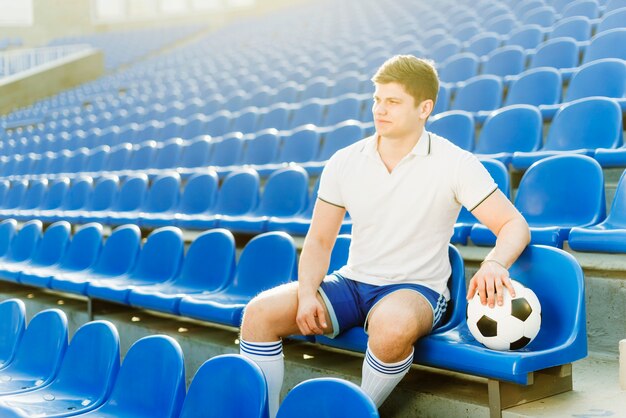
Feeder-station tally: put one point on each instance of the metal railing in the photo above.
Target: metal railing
(13, 62)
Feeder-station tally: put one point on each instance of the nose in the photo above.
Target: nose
(379, 108)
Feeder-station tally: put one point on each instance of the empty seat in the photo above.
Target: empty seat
(150, 383)
(608, 44)
(526, 36)
(559, 53)
(245, 395)
(309, 112)
(444, 49)
(299, 223)
(104, 196)
(23, 245)
(457, 126)
(159, 260)
(33, 198)
(510, 129)
(443, 100)
(227, 151)
(577, 27)
(86, 375)
(268, 260)
(276, 117)
(130, 197)
(605, 77)
(341, 136)
(298, 146)
(284, 195)
(579, 127)
(543, 16)
(329, 397)
(482, 44)
(343, 109)
(459, 67)
(14, 197)
(38, 354)
(209, 266)
(481, 93)
(575, 184)
(537, 86)
(77, 197)
(612, 20)
(117, 258)
(13, 314)
(586, 8)
(504, 61)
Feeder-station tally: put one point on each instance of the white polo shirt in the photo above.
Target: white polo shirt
(403, 220)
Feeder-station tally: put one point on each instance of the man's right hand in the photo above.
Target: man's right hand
(310, 317)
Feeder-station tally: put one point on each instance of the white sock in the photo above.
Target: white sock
(380, 378)
(269, 357)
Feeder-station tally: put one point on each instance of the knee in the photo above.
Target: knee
(391, 335)
(256, 314)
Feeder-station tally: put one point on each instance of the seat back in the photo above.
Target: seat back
(277, 117)
(511, 129)
(341, 110)
(151, 381)
(457, 126)
(268, 260)
(56, 194)
(309, 112)
(219, 123)
(330, 397)
(591, 80)
(35, 194)
(300, 145)
(239, 193)
(543, 16)
(91, 363)
(199, 194)
(161, 255)
(538, 86)
(608, 44)
(479, 93)
(197, 152)
(576, 27)
(483, 43)
(132, 193)
(104, 193)
(617, 216)
(15, 195)
(586, 8)
(612, 20)
(4, 188)
(119, 157)
(53, 244)
(459, 67)
(8, 227)
(13, 314)
(227, 151)
(504, 61)
(286, 192)
(79, 194)
(97, 159)
(210, 261)
(262, 149)
(245, 395)
(163, 194)
(142, 156)
(119, 252)
(42, 346)
(77, 161)
(341, 136)
(589, 123)
(169, 154)
(564, 190)
(84, 248)
(25, 242)
(556, 53)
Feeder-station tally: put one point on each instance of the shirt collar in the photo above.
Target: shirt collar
(422, 147)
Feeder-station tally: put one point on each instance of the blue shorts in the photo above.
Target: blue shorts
(349, 302)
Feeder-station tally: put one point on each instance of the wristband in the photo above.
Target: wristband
(495, 261)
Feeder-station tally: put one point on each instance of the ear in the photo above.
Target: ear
(426, 108)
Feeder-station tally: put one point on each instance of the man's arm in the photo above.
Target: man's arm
(499, 215)
(313, 265)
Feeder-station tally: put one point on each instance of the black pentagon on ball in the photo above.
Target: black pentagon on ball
(521, 343)
(521, 309)
(487, 326)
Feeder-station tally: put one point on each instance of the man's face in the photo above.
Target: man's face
(395, 112)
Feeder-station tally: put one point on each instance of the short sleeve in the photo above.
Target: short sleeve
(474, 184)
(330, 190)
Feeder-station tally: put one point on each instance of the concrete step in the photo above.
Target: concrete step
(425, 392)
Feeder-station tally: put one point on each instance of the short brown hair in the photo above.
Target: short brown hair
(418, 76)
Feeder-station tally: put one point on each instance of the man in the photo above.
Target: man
(404, 188)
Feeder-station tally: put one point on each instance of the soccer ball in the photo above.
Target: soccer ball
(508, 327)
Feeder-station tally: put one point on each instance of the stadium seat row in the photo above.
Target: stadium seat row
(44, 375)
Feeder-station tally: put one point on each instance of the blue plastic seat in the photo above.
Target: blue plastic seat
(614, 19)
(104, 196)
(579, 127)
(150, 383)
(14, 197)
(479, 94)
(196, 125)
(501, 25)
(466, 220)
(119, 157)
(612, 5)
(12, 326)
(239, 194)
(457, 126)
(309, 112)
(275, 117)
(77, 197)
(510, 129)
(38, 355)
(346, 108)
(227, 151)
(577, 27)
(575, 185)
(327, 397)
(586, 8)
(48, 252)
(299, 223)
(444, 49)
(559, 53)
(287, 92)
(298, 146)
(592, 79)
(608, 44)
(195, 154)
(348, 82)
(609, 235)
(142, 158)
(33, 198)
(8, 227)
(543, 16)
(505, 61)
(316, 88)
(246, 120)
(268, 260)
(130, 198)
(85, 378)
(341, 136)
(172, 128)
(554, 276)
(162, 196)
(209, 266)
(459, 67)
(117, 258)
(537, 87)
(245, 395)
(443, 100)
(525, 6)
(355, 339)
(81, 253)
(219, 123)
(158, 261)
(23, 245)
(483, 43)
(259, 150)
(285, 194)
(77, 161)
